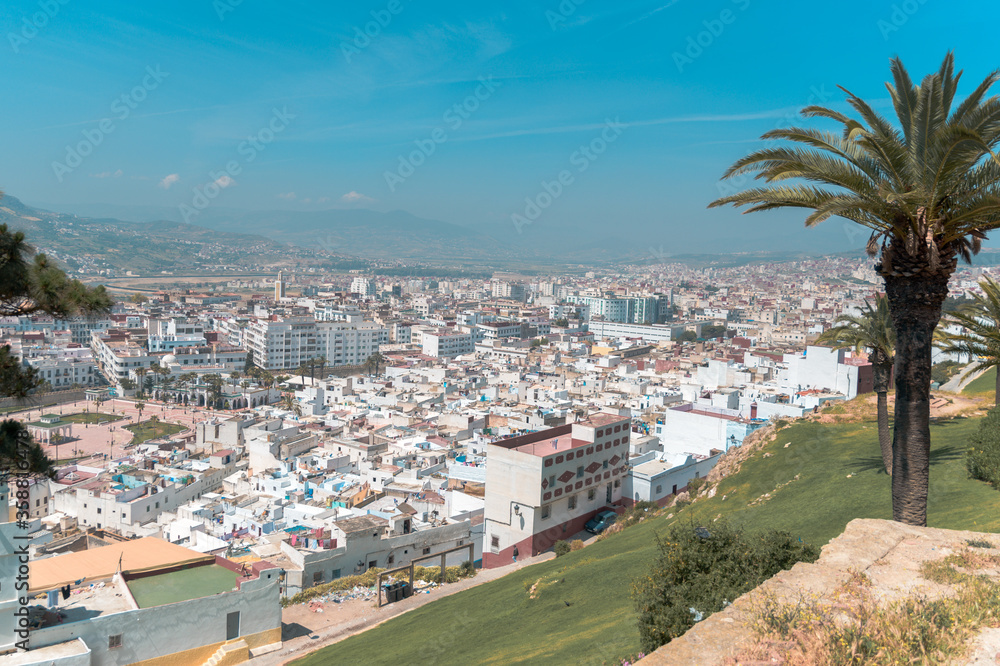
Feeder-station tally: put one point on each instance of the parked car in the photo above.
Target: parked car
(601, 522)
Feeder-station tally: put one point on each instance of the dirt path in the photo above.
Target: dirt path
(303, 631)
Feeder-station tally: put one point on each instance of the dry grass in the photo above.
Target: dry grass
(856, 627)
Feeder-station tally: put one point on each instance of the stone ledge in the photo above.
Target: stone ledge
(899, 549)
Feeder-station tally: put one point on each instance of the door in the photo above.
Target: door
(232, 626)
(608, 495)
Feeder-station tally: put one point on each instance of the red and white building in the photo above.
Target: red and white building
(545, 486)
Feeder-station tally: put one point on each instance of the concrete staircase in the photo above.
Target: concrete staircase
(228, 654)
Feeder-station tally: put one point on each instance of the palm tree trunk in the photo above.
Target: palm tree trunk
(915, 293)
(881, 367)
(884, 436)
(996, 397)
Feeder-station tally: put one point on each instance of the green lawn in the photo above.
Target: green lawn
(147, 430)
(496, 623)
(984, 383)
(92, 417)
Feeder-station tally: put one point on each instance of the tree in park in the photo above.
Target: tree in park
(871, 332)
(31, 283)
(979, 337)
(927, 185)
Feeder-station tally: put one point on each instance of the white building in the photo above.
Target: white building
(287, 343)
(545, 486)
(444, 343)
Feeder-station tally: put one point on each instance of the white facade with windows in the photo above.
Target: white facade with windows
(290, 342)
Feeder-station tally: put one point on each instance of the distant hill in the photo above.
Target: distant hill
(91, 244)
(357, 232)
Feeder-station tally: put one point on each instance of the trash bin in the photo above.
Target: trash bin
(387, 588)
(406, 590)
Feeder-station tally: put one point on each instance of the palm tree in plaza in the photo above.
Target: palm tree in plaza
(870, 331)
(926, 184)
(979, 338)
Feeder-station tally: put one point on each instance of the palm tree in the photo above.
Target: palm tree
(141, 373)
(289, 402)
(321, 362)
(374, 361)
(980, 337)
(871, 331)
(214, 383)
(927, 187)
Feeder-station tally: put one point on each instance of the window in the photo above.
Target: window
(572, 502)
(495, 544)
(427, 551)
(98, 509)
(659, 489)
(317, 578)
(392, 559)
(114, 641)
(618, 483)
(590, 495)
(545, 512)
(579, 472)
(552, 480)
(605, 464)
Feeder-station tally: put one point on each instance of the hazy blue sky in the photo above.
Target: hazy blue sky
(184, 85)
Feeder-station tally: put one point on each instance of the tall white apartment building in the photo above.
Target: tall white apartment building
(363, 286)
(287, 343)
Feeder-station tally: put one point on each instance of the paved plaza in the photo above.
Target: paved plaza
(111, 438)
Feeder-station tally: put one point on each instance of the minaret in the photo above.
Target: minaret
(279, 287)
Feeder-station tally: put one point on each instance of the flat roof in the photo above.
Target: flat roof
(552, 445)
(193, 582)
(101, 563)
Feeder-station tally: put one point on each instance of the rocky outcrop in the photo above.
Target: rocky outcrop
(890, 554)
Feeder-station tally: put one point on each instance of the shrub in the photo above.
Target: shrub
(576, 544)
(983, 457)
(561, 548)
(694, 485)
(700, 571)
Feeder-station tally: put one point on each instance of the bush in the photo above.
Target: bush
(561, 548)
(704, 570)
(576, 544)
(983, 457)
(694, 485)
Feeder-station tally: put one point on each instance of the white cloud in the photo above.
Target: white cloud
(287, 195)
(107, 174)
(357, 198)
(168, 181)
(322, 199)
(224, 181)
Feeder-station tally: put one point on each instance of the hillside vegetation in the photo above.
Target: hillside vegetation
(827, 475)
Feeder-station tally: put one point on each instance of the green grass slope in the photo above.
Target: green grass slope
(583, 612)
(984, 383)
